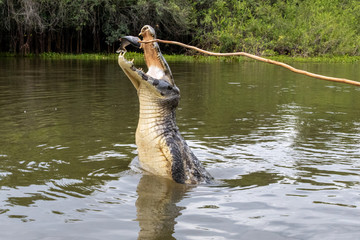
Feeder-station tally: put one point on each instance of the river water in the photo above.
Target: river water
(284, 150)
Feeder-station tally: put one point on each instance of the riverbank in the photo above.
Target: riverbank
(138, 57)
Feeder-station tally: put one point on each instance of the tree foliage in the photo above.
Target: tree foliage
(264, 27)
(293, 27)
(93, 25)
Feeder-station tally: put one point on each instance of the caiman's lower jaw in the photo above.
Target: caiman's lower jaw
(161, 88)
(130, 70)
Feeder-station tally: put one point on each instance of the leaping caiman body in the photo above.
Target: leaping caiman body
(161, 148)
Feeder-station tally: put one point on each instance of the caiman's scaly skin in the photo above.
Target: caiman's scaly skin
(161, 148)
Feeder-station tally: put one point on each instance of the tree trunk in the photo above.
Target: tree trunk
(14, 41)
(98, 42)
(42, 42)
(49, 42)
(37, 43)
(63, 42)
(58, 42)
(21, 41)
(79, 42)
(71, 41)
(67, 39)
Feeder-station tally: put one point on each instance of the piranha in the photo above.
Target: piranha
(161, 148)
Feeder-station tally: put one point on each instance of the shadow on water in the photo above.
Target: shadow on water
(252, 180)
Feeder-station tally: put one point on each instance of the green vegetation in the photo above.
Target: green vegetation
(176, 58)
(137, 57)
(292, 27)
(298, 28)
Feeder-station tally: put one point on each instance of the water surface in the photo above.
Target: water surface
(283, 148)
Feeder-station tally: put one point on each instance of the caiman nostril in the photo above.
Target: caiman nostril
(156, 82)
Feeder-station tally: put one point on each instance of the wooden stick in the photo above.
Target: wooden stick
(333, 79)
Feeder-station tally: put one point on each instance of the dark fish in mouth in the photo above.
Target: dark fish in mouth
(126, 41)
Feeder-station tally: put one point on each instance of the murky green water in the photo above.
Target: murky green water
(284, 149)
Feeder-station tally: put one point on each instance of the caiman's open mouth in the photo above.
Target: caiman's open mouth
(159, 87)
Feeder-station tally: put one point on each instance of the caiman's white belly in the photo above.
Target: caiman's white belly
(152, 150)
(154, 154)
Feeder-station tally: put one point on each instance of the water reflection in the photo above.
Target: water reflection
(156, 206)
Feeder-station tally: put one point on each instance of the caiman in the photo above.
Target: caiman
(161, 148)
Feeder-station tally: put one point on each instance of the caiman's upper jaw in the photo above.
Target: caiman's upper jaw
(129, 69)
(155, 61)
(160, 88)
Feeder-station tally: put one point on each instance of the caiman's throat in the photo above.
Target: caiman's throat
(161, 148)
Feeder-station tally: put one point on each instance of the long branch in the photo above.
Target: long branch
(295, 70)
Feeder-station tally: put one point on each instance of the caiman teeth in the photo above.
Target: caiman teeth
(132, 60)
(122, 53)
